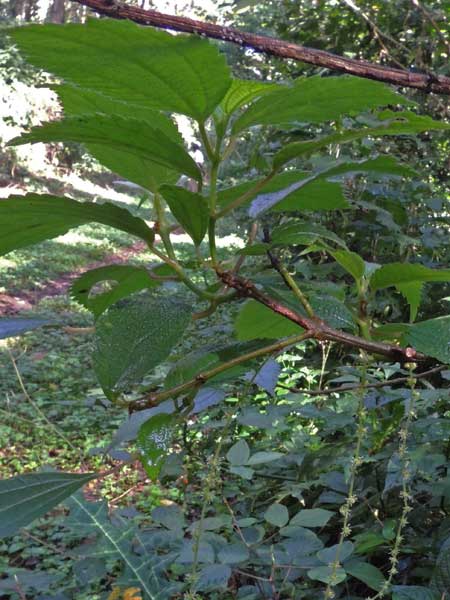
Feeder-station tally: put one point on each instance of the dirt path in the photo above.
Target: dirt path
(27, 299)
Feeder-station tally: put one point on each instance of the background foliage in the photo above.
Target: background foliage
(263, 491)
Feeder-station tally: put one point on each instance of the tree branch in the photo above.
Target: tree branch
(272, 46)
(318, 329)
(201, 378)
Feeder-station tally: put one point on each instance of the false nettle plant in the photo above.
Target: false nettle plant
(120, 86)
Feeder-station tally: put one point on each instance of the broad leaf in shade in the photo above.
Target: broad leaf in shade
(140, 65)
(122, 280)
(327, 575)
(189, 209)
(367, 573)
(312, 193)
(13, 326)
(332, 311)
(26, 220)
(430, 337)
(303, 233)
(414, 592)
(316, 100)
(114, 538)
(267, 376)
(257, 321)
(244, 91)
(293, 190)
(327, 307)
(387, 123)
(27, 497)
(311, 517)
(153, 440)
(317, 192)
(351, 262)
(125, 145)
(212, 578)
(277, 515)
(412, 291)
(129, 429)
(394, 274)
(134, 336)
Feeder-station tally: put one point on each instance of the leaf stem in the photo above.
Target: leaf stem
(203, 294)
(163, 227)
(201, 378)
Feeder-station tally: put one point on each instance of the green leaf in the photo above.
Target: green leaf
(297, 192)
(440, 582)
(312, 193)
(328, 308)
(257, 321)
(26, 497)
(311, 517)
(140, 65)
(26, 220)
(233, 554)
(308, 100)
(413, 592)
(401, 273)
(430, 337)
(170, 516)
(76, 100)
(239, 453)
(277, 515)
(316, 192)
(244, 91)
(366, 573)
(332, 311)
(190, 365)
(351, 262)
(412, 291)
(142, 152)
(13, 326)
(134, 336)
(263, 457)
(301, 233)
(189, 209)
(328, 555)
(380, 165)
(126, 280)
(213, 578)
(154, 440)
(324, 574)
(79, 101)
(387, 123)
(119, 539)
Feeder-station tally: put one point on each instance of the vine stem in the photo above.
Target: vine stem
(405, 493)
(287, 278)
(346, 508)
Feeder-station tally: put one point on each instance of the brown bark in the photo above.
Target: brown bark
(318, 329)
(426, 82)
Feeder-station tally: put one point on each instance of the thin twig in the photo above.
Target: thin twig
(36, 407)
(433, 22)
(349, 388)
(377, 32)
